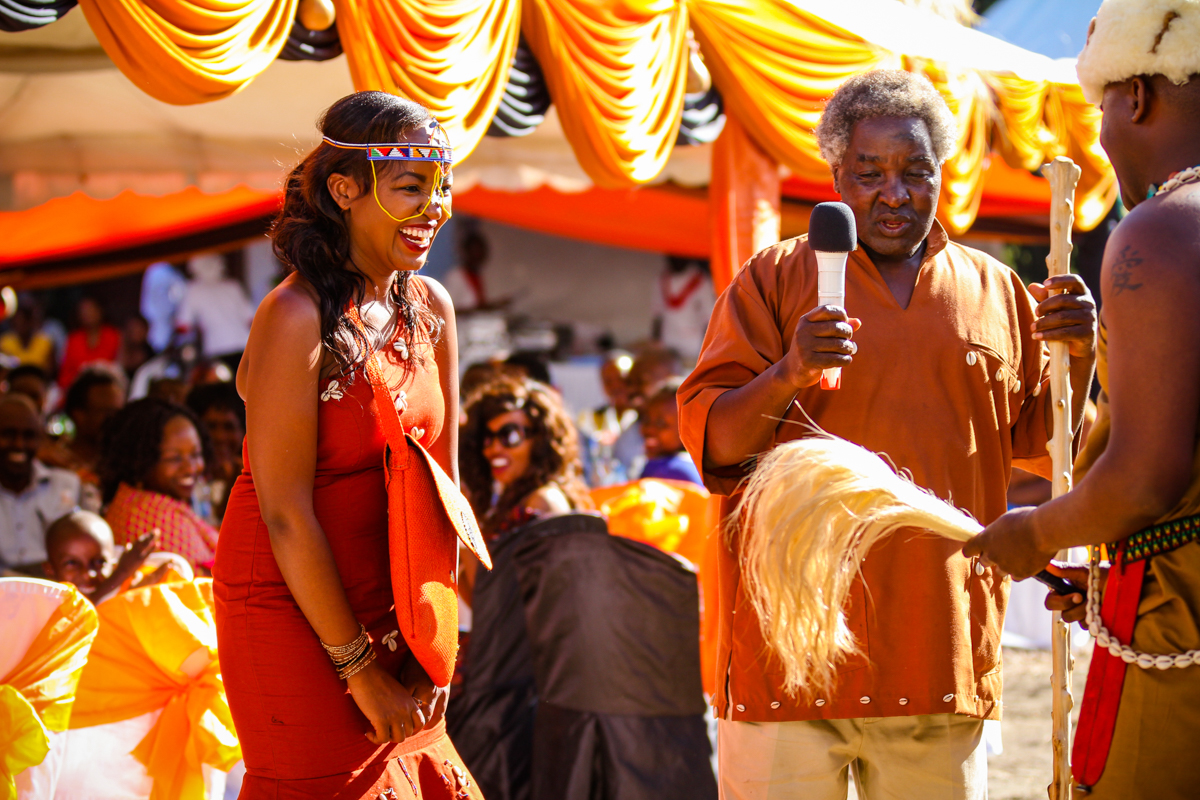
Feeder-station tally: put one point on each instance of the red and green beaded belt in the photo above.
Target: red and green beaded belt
(1162, 538)
(1106, 675)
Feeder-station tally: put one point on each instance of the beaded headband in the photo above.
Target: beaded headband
(442, 154)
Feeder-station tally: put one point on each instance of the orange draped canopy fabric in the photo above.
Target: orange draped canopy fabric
(191, 51)
(617, 72)
(1077, 122)
(1040, 121)
(156, 649)
(658, 219)
(776, 64)
(451, 56)
(963, 172)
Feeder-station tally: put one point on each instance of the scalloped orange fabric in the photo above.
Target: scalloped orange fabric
(776, 64)
(1041, 121)
(190, 51)
(451, 56)
(617, 73)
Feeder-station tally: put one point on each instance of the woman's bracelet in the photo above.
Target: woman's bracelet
(356, 665)
(341, 655)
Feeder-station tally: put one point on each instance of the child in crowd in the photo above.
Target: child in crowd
(612, 443)
(665, 455)
(80, 551)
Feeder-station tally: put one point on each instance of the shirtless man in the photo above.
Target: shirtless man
(1139, 728)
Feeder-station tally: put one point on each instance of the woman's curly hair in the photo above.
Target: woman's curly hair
(311, 235)
(884, 93)
(553, 460)
(131, 443)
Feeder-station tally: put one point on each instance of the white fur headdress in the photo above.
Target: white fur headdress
(1140, 37)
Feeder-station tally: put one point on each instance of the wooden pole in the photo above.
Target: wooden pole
(1063, 176)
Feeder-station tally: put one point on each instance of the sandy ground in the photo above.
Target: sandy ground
(1022, 771)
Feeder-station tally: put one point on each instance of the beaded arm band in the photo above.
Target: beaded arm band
(350, 659)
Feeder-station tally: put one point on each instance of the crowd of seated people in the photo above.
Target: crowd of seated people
(77, 452)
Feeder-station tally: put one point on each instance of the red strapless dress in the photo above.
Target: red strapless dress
(301, 733)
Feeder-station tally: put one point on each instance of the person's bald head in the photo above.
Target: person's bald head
(79, 548)
(654, 365)
(614, 376)
(20, 437)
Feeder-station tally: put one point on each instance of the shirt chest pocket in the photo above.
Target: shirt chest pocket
(1001, 372)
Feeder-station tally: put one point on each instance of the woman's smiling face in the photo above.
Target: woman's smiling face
(507, 447)
(395, 215)
(181, 460)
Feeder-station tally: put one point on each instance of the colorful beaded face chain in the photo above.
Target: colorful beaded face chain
(442, 157)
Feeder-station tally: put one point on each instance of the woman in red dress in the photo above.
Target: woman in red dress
(328, 699)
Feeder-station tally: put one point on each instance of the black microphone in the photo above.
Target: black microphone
(832, 235)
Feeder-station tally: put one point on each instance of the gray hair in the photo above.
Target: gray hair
(884, 93)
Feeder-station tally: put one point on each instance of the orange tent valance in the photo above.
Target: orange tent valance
(79, 225)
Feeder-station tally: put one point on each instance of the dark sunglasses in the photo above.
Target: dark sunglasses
(509, 436)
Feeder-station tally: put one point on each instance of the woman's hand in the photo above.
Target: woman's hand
(1012, 544)
(390, 708)
(432, 699)
(1072, 606)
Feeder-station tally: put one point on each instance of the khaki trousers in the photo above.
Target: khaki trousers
(927, 757)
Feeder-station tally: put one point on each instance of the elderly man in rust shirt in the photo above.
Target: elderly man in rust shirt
(944, 370)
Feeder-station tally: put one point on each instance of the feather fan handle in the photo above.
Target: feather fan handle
(812, 510)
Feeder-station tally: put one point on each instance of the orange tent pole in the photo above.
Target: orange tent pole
(743, 201)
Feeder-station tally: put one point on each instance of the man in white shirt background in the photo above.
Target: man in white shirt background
(683, 302)
(32, 495)
(464, 282)
(218, 307)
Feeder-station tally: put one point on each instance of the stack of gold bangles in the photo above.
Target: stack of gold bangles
(350, 659)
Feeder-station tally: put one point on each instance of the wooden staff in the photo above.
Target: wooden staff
(1063, 176)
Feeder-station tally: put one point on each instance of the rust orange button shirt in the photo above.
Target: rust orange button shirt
(952, 390)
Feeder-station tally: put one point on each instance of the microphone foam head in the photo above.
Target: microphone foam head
(831, 228)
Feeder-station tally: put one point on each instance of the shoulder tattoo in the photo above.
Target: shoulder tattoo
(1123, 270)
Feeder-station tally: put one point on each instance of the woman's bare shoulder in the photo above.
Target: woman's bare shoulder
(287, 319)
(437, 297)
(292, 302)
(286, 330)
(550, 498)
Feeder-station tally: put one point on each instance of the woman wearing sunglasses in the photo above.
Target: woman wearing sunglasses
(519, 455)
